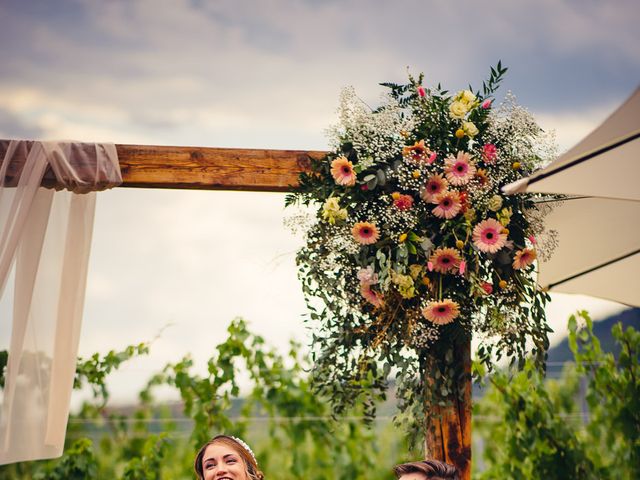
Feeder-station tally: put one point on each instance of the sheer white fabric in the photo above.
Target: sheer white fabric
(46, 235)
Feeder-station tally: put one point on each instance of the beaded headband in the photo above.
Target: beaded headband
(245, 446)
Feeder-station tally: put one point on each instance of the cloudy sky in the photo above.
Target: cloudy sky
(266, 74)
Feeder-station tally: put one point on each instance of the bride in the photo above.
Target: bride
(225, 456)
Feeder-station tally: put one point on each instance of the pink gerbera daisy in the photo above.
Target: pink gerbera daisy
(445, 260)
(459, 170)
(488, 236)
(365, 233)
(442, 312)
(371, 296)
(523, 258)
(342, 172)
(435, 185)
(449, 204)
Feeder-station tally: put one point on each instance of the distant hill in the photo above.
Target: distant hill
(602, 330)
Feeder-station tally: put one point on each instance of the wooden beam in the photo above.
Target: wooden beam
(199, 168)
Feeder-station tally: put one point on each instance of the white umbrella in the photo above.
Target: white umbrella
(598, 226)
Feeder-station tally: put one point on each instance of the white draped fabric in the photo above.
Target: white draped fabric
(45, 238)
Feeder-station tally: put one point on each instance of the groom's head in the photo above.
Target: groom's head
(426, 470)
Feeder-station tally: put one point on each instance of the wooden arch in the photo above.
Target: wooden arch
(199, 168)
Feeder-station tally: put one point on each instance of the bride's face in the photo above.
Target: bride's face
(221, 462)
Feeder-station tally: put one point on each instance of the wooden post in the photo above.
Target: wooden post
(145, 166)
(449, 432)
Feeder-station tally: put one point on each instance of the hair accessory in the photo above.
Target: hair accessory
(245, 446)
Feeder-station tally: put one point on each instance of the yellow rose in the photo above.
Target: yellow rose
(465, 96)
(470, 129)
(504, 216)
(495, 203)
(405, 284)
(470, 215)
(415, 270)
(458, 110)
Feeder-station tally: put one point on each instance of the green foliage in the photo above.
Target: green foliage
(94, 371)
(288, 425)
(78, 463)
(148, 466)
(491, 85)
(529, 439)
(613, 396)
(534, 428)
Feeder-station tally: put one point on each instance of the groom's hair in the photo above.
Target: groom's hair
(432, 469)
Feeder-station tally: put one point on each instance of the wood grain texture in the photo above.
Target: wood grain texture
(449, 431)
(145, 166)
(213, 168)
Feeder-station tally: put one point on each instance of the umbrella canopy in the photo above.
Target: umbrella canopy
(598, 225)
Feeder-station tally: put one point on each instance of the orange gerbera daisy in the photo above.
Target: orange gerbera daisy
(436, 184)
(449, 204)
(523, 258)
(445, 260)
(442, 312)
(365, 233)
(342, 172)
(418, 152)
(481, 175)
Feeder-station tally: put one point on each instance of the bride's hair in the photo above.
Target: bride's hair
(237, 445)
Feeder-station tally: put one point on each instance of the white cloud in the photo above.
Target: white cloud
(571, 127)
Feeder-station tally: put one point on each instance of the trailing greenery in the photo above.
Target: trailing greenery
(412, 247)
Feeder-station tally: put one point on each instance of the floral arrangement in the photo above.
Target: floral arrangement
(413, 247)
